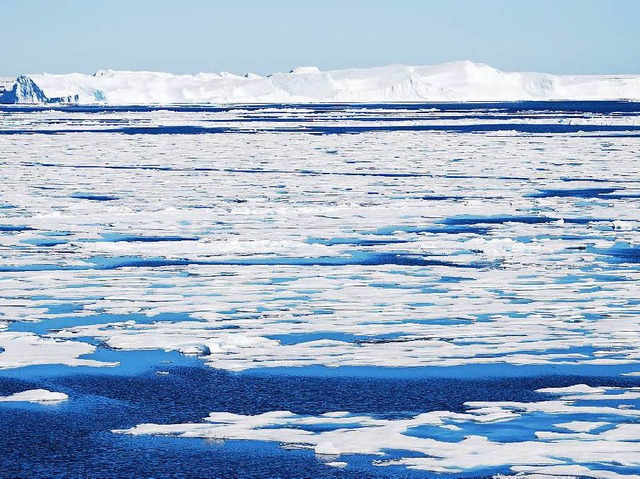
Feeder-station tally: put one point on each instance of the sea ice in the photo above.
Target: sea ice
(36, 396)
(352, 237)
(440, 257)
(593, 453)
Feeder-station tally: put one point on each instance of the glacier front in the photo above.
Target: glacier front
(457, 81)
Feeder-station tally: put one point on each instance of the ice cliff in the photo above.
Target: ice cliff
(458, 81)
(25, 90)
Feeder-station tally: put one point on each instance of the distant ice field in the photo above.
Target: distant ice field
(382, 290)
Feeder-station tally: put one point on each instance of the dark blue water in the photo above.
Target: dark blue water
(124, 238)
(621, 253)
(576, 193)
(605, 107)
(535, 128)
(93, 197)
(422, 114)
(14, 229)
(73, 439)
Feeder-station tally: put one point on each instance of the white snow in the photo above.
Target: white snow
(42, 396)
(6, 83)
(456, 81)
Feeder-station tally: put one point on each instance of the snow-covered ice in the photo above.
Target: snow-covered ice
(36, 396)
(421, 248)
(456, 81)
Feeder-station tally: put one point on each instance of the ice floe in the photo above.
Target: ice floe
(41, 396)
(602, 449)
(27, 349)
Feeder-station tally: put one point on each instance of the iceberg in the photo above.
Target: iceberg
(25, 90)
(463, 81)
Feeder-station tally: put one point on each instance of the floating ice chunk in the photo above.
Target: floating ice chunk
(326, 448)
(577, 389)
(581, 426)
(42, 396)
(337, 414)
(623, 225)
(623, 432)
(19, 349)
(198, 350)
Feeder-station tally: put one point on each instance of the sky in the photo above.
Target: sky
(266, 36)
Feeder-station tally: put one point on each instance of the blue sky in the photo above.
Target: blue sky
(264, 36)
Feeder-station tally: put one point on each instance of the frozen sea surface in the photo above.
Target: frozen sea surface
(320, 290)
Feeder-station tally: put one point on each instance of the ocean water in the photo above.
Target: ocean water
(411, 290)
(73, 439)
